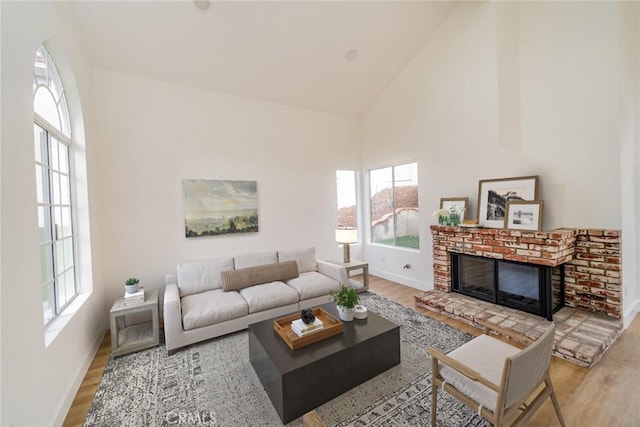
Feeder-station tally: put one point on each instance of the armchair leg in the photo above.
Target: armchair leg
(434, 402)
(434, 392)
(554, 400)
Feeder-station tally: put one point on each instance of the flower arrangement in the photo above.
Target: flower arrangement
(454, 216)
(451, 216)
(442, 215)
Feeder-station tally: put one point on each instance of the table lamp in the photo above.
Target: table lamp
(346, 235)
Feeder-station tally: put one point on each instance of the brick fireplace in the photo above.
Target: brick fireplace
(591, 259)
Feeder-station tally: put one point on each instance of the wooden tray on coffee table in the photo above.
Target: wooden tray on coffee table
(332, 326)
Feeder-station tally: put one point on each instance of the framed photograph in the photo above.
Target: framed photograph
(524, 215)
(493, 195)
(460, 204)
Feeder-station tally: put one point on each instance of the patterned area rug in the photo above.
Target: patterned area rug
(214, 384)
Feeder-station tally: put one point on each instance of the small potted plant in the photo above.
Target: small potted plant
(346, 298)
(131, 285)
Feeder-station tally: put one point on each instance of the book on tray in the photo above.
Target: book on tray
(301, 328)
(134, 298)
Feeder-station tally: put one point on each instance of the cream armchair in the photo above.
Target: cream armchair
(503, 384)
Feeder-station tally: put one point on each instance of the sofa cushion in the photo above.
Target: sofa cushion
(200, 276)
(211, 307)
(306, 258)
(268, 295)
(251, 260)
(238, 279)
(313, 284)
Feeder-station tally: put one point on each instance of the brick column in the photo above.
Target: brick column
(593, 279)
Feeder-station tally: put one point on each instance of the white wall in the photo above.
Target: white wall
(153, 135)
(441, 105)
(629, 33)
(38, 381)
(503, 90)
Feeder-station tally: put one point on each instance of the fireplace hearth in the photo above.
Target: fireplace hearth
(522, 286)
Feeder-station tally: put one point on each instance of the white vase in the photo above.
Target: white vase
(132, 289)
(360, 312)
(346, 314)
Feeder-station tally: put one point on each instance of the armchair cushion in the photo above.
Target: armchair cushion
(486, 356)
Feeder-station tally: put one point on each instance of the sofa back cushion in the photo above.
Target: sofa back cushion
(254, 259)
(201, 276)
(238, 279)
(305, 257)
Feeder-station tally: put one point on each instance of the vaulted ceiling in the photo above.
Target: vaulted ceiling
(333, 56)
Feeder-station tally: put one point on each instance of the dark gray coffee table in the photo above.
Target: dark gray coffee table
(298, 381)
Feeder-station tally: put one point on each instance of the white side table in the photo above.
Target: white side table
(128, 339)
(352, 266)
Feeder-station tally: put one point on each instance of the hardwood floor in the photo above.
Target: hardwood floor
(82, 402)
(605, 395)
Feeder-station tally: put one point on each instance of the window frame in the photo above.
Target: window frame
(393, 206)
(356, 199)
(56, 242)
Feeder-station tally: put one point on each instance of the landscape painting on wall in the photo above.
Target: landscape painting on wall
(216, 207)
(493, 195)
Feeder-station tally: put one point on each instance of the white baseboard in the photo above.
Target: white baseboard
(77, 382)
(418, 284)
(630, 314)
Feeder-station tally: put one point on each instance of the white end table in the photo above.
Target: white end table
(128, 339)
(352, 266)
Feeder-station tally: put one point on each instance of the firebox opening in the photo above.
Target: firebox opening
(528, 287)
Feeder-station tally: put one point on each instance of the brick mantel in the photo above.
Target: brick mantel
(593, 270)
(550, 248)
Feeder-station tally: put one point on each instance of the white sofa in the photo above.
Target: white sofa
(197, 307)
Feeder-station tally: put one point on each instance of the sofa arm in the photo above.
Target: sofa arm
(172, 316)
(334, 271)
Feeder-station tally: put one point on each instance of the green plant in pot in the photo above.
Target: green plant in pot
(131, 285)
(346, 298)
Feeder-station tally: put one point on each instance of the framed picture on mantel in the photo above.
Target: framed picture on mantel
(524, 215)
(459, 204)
(493, 195)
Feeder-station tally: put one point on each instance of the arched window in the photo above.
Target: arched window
(54, 178)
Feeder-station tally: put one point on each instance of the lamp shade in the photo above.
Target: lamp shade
(346, 235)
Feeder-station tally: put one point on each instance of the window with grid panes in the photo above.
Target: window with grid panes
(54, 178)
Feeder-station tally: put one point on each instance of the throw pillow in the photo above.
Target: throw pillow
(235, 280)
